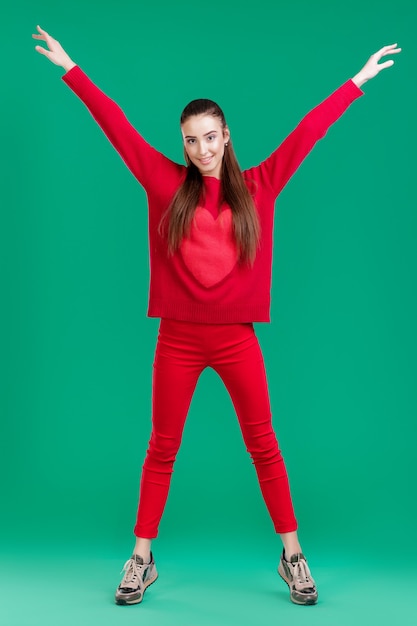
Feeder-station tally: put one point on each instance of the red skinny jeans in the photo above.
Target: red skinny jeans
(183, 351)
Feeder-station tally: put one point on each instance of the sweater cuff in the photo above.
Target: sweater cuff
(354, 88)
(75, 76)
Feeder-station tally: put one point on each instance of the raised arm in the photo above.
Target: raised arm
(278, 168)
(147, 164)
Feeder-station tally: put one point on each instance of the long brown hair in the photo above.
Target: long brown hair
(234, 192)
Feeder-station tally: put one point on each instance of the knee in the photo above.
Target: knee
(162, 450)
(264, 450)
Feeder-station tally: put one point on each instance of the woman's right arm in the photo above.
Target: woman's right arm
(147, 164)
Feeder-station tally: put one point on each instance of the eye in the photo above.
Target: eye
(190, 141)
(211, 137)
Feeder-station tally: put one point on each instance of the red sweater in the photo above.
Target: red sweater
(203, 282)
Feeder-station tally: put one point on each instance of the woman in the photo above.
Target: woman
(210, 231)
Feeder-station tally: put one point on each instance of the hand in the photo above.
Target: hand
(55, 51)
(373, 67)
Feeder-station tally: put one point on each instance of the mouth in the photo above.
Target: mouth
(205, 161)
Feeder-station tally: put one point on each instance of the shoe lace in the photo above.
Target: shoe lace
(302, 574)
(133, 572)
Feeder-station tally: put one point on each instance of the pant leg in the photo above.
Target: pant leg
(239, 362)
(177, 366)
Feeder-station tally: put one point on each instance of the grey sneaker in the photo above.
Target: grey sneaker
(298, 578)
(138, 576)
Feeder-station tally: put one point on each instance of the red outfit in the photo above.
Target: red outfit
(208, 300)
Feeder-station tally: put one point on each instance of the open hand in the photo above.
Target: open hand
(373, 67)
(54, 52)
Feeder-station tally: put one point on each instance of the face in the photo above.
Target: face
(204, 140)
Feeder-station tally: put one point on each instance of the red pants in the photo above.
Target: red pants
(183, 351)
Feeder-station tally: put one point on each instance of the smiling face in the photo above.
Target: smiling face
(204, 140)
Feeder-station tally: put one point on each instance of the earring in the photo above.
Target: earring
(226, 144)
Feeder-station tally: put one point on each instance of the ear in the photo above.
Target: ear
(226, 134)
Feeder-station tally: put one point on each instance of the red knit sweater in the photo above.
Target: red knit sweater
(203, 282)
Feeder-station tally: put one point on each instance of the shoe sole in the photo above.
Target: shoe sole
(122, 602)
(307, 602)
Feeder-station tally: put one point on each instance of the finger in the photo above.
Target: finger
(389, 47)
(391, 51)
(46, 36)
(382, 66)
(41, 37)
(42, 50)
(385, 51)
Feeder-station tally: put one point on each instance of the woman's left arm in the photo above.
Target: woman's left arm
(278, 168)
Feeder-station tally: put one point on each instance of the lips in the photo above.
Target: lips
(205, 161)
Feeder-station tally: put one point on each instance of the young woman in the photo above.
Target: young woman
(210, 234)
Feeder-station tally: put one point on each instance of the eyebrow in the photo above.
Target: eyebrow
(212, 132)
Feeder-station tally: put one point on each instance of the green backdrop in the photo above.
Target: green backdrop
(77, 347)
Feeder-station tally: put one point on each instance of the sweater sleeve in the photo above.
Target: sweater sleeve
(149, 166)
(278, 168)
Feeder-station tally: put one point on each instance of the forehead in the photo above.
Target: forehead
(199, 125)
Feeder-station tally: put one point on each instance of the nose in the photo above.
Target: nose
(202, 149)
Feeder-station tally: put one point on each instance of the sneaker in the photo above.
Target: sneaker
(138, 576)
(298, 578)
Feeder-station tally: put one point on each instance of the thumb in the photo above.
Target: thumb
(41, 49)
(386, 64)
(44, 51)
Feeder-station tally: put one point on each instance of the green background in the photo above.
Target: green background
(77, 348)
